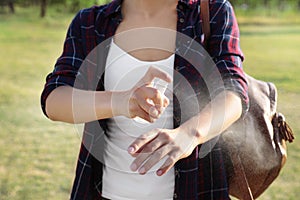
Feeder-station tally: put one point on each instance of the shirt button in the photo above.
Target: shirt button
(181, 20)
(175, 196)
(176, 173)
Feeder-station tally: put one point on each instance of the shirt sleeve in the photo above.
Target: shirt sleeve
(67, 65)
(224, 48)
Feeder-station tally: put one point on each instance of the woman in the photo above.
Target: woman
(159, 159)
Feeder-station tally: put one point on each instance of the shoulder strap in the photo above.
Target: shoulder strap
(204, 6)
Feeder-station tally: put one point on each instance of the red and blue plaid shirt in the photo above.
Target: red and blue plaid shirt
(195, 178)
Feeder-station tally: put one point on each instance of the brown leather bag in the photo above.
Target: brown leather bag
(254, 147)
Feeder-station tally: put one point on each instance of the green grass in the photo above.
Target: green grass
(271, 53)
(38, 157)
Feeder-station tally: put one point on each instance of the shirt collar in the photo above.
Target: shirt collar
(115, 6)
(189, 3)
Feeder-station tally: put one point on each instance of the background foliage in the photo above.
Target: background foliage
(74, 5)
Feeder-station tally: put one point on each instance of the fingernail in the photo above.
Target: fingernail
(155, 111)
(130, 150)
(169, 77)
(133, 167)
(159, 172)
(142, 170)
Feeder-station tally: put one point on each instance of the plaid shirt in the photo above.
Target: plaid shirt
(195, 178)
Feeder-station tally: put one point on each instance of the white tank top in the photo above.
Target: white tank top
(122, 72)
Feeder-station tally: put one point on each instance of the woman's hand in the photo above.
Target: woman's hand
(145, 101)
(153, 146)
(179, 143)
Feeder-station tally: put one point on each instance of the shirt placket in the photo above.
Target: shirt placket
(180, 23)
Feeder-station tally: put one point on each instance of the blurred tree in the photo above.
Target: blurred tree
(43, 8)
(75, 5)
(9, 3)
(11, 6)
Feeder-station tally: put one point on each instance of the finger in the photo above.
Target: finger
(144, 98)
(137, 145)
(158, 100)
(161, 138)
(169, 163)
(144, 115)
(154, 72)
(143, 154)
(165, 104)
(153, 159)
(166, 101)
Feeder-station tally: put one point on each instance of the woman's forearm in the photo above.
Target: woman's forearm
(151, 147)
(216, 117)
(71, 105)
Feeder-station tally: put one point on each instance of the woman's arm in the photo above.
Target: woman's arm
(179, 143)
(224, 48)
(62, 102)
(215, 118)
(71, 105)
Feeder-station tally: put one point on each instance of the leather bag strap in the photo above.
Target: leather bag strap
(239, 168)
(204, 13)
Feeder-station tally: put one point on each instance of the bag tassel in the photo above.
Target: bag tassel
(284, 129)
